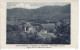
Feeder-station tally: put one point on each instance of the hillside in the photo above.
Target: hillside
(43, 13)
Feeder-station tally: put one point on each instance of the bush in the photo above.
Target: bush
(63, 31)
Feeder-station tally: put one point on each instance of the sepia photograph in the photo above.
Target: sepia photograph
(38, 23)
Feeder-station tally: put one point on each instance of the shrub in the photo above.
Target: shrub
(63, 31)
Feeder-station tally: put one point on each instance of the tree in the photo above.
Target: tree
(63, 31)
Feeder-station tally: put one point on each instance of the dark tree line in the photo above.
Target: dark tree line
(62, 33)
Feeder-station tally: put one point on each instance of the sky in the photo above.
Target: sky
(33, 5)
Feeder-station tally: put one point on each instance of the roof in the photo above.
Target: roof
(45, 35)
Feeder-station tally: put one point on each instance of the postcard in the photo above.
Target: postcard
(39, 24)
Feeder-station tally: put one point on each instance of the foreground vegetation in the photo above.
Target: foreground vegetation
(16, 35)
